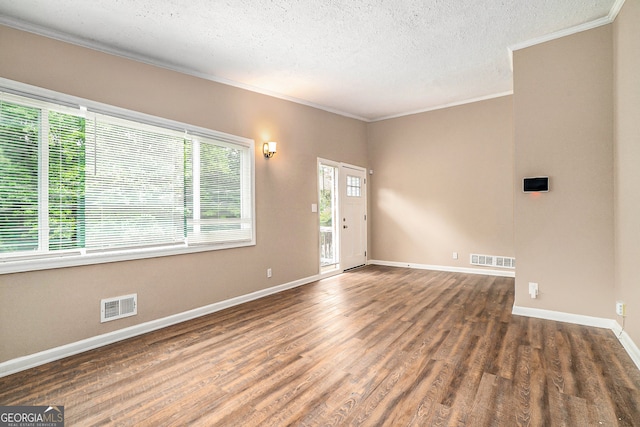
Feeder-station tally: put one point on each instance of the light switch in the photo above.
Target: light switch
(533, 290)
(314, 207)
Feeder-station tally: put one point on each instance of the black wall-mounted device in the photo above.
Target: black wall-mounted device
(539, 184)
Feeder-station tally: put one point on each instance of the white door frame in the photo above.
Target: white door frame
(340, 211)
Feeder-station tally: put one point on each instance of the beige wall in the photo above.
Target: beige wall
(443, 183)
(626, 37)
(44, 309)
(563, 117)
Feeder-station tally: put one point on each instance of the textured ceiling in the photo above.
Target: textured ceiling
(363, 58)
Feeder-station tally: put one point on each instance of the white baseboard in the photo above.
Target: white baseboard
(483, 271)
(578, 319)
(26, 362)
(629, 345)
(31, 361)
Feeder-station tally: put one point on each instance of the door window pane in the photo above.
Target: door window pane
(353, 186)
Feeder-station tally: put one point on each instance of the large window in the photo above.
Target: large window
(81, 184)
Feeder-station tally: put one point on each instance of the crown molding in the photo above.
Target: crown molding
(122, 53)
(615, 9)
(613, 13)
(100, 47)
(442, 106)
(562, 33)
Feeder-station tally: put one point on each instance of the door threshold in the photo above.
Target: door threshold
(354, 268)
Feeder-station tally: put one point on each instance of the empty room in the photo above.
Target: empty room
(278, 212)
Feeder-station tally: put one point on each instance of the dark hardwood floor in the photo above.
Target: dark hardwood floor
(376, 346)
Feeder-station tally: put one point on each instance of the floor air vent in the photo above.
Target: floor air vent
(118, 307)
(493, 261)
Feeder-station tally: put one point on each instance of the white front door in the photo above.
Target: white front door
(353, 217)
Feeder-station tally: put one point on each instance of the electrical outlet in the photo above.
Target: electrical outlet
(268, 272)
(455, 255)
(621, 308)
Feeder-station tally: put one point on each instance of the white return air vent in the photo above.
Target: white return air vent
(493, 261)
(118, 307)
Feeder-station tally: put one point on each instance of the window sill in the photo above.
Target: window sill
(13, 265)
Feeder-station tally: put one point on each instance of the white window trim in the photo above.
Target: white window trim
(81, 257)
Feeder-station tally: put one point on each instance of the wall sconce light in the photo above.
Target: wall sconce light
(269, 149)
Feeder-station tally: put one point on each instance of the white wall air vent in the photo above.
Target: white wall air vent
(493, 261)
(118, 307)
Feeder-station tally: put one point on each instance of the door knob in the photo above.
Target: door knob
(345, 226)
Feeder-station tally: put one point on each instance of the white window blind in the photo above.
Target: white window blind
(218, 210)
(134, 185)
(41, 183)
(76, 183)
(19, 147)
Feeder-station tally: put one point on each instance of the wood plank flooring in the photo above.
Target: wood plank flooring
(376, 346)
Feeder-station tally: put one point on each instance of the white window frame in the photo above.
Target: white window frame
(336, 217)
(58, 259)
